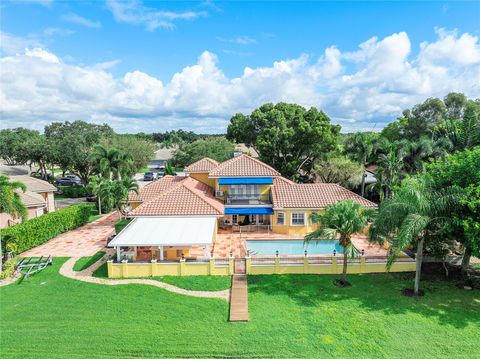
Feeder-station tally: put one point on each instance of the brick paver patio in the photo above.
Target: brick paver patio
(83, 241)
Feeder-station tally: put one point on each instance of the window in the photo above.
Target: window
(298, 219)
(234, 218)
(280, 217)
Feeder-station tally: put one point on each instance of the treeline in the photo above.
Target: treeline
(173, 137)
(71, 146)
(304, 146)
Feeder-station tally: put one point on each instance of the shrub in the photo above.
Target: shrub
(121, 224)
(8, 268)
(39, 230)
(74, 191)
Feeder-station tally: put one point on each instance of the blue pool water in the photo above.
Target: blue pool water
(292, 247)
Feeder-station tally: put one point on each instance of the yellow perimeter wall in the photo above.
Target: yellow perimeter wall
(153, 269)
(333, 268)
(135, 270)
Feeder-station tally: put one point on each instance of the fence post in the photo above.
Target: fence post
(153, 267)
(182, 266)
(306, 265)
(110, 268)
(125, 268)
(363, 268)
(277, 265)
(334, 265)
(211, 266)
(230, 265)
(247, 264)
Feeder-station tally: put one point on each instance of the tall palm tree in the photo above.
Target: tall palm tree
(342, 219)
(102, 188)
(407, 218)
(126, 165)
(11, 202)
(389, 171)
(360, 147)
(120, 191)
(107, 161)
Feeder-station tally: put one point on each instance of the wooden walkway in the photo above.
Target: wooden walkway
(239, 299)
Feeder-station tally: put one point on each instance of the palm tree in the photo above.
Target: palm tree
(108, 161)
(169, 170)
(342, 219)
(102, 188)
(360, 147)
(120, 191)
(389, 171)
(11, 202)
(126, 165)
(410, 216)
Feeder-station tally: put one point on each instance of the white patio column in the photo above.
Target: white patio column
(160, 248)
(118, 254)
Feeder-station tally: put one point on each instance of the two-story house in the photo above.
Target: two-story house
(217, 207)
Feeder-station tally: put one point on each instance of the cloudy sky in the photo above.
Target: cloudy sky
(156, 66)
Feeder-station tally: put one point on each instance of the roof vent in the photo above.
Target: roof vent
(237, 153)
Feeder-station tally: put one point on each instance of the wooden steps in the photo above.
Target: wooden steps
(239, 299)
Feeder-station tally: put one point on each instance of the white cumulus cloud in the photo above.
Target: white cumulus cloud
(358, 89)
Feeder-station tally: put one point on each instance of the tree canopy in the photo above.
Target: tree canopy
(217, 148)
(462, 170)
(287, 136)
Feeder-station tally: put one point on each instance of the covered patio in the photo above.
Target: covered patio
(165, 239)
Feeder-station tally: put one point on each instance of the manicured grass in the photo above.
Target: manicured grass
(94, 218)
(49, 316)
(101, 272)
(121, 224)
(85, 262)
(208, 283)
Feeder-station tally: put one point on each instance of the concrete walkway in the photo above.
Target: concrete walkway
(86, 276)
(239, 299)
(81, 242)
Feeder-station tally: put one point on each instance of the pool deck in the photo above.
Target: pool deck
(228, 242)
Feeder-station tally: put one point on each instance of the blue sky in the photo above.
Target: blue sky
(162, 39)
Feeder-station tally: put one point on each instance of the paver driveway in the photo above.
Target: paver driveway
(80, 242)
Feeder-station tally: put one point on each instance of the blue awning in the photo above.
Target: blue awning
(248, 210)
(245, 180)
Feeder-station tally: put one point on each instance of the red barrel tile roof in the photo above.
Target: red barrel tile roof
(171, 196)
(243, 166)
(205, 165)
(287, 194)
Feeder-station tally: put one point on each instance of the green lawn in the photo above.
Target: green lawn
(209, 283)
(85, 262)
(49, 316)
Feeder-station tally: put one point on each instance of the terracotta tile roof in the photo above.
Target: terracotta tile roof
(34, 184)
(243, 165)
(154, 188)
(32, 199)
(205, 165)
(182, 196)
(287, 194)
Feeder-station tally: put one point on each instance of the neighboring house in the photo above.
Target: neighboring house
(38, 198)
(175, 214)
(241, 148)
(161, 157)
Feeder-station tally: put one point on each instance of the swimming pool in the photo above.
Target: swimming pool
(292, 247)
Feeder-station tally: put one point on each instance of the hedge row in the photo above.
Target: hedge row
(8, 268)
(74, 191)
(39, 230)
